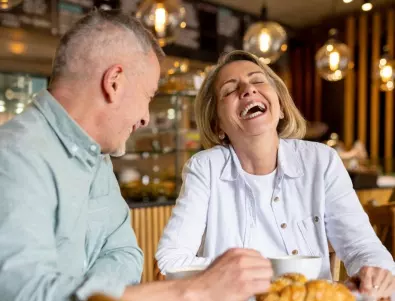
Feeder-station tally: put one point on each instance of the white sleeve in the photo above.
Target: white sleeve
(182, 236)
(347, 225)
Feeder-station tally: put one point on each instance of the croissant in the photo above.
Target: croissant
(295, 287)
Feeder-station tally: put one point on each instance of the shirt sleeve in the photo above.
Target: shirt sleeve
(119, 264)
(347, 225)
(28, 256)
(183, 234)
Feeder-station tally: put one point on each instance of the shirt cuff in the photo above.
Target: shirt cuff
(383, 264)
(101, 285)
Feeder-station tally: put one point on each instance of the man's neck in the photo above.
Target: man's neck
(80, 108)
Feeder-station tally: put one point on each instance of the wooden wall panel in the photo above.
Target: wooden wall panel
(148, 225)
(308, 79)
(349, 91)
(317, 92)
(375, 92)
(362, 77)
(389, 100)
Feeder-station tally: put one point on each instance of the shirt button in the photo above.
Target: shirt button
(283, 225)
(295, 252)
(93, 147)
(316, 219)
(276, 199)
(74, 148)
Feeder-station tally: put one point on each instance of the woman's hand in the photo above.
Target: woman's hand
(373, 281)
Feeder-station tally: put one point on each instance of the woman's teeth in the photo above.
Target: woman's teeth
(252, 115)
(255, 109)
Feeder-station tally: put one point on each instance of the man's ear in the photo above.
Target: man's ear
(112, 82)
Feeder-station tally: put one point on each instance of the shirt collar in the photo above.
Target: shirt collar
(288, 162)
(76, 141)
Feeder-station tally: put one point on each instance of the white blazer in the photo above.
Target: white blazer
(313, 195)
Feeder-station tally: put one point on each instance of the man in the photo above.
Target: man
(65, 230)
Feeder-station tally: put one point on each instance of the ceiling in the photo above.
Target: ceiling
(297, 13)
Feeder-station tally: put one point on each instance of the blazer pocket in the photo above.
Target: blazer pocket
(309, 228)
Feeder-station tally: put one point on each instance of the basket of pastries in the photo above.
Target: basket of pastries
(296, 287)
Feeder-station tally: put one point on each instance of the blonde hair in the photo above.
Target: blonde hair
(293, 125)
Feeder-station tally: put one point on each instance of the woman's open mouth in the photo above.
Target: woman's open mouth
(253, 110)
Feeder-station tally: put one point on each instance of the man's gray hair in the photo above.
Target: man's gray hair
(100, 35)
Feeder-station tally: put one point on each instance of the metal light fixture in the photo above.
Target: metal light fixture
(386, 71)
(163, 17)
(367, 5)
(266, 39)
(333, 59)
(9, 4)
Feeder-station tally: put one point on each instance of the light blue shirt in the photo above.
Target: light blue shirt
(65, 230)
(313, 201)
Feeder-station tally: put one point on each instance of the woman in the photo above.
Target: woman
(258, 186)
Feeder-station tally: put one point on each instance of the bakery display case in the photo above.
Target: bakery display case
(151, 169)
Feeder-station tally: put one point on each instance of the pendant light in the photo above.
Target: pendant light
(266, 39)
(367, 5)
(163, 17)
(386, 71)
(333, 59)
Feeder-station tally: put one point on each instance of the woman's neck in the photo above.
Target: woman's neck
(258, 155)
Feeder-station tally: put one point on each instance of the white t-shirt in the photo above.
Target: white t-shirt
(269, 243)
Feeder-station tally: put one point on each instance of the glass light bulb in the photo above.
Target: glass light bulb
(161, 17)
(264, 41)
(334, 59)
(164, 18)
(386, 73)
(367, 6)
(267, 40)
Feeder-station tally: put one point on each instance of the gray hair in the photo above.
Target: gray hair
(98, 36)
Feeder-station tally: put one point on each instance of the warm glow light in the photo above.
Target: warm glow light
(160, 20)
(329, 47)
(265, 41)
(367, 6)
(334, 60)
(347, 1)
(16, 47)
(2, 109)
(183, 25)
(390, 85)
(386, 73)
(383, 62)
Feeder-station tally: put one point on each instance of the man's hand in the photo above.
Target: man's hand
(235, 276)
(373, 281)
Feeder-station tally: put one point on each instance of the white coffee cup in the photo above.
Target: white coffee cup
(184, 272)
(309, 266)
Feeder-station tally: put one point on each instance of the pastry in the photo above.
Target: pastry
(295, 287)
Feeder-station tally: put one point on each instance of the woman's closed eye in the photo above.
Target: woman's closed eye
(227, 93)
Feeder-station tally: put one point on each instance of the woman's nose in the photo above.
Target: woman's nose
(248, 90)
